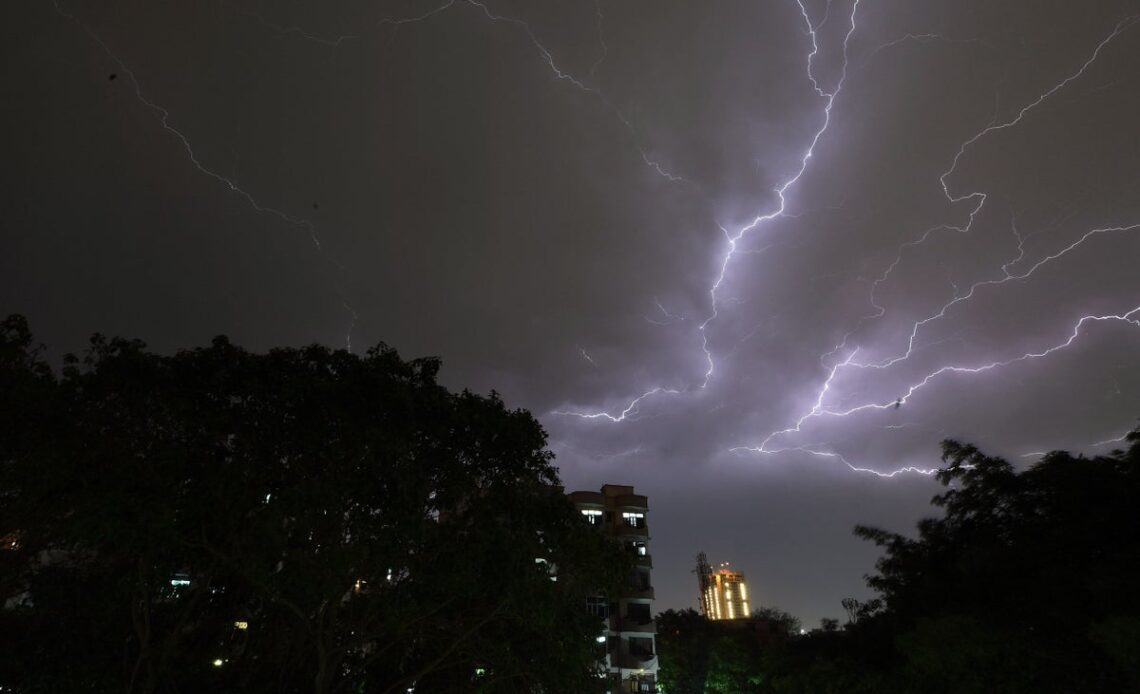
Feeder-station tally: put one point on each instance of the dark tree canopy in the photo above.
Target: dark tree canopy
(1027, 583)
(700, 656)
(301, 520)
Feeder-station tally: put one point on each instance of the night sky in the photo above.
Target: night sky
(608, 213)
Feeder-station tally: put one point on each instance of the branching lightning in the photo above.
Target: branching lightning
(841, 358)
(975, 202)
(733, 238)
(818, 410)
(922, 39)
(163, 117)
(630, 411)
(543, 52)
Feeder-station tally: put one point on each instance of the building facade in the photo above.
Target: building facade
(631, 633)
(724, 592)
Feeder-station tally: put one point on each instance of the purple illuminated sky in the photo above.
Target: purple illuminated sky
(754, 258)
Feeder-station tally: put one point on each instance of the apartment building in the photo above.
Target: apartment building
(631, 634)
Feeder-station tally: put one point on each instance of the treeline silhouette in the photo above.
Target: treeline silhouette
(1028, 582)
(304, 520)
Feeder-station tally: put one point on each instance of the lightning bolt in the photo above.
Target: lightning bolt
(733, 238)
(284, 31)
(921, 39)
(818, 410)
(628, 413)
(544, 53)
(587, 357)
(831, 455)
(1007, 275)
(162, 115)
(979, 197)
(670, 318)
(601, 38)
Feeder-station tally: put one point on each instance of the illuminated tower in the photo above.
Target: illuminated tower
(725, 594)
(630, 630)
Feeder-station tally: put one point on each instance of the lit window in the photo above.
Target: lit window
(593, 516)
(633, 519)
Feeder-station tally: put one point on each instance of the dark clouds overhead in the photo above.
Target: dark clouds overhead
(488, 183)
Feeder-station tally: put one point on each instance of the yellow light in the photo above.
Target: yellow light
(241, 625)
(218, 662)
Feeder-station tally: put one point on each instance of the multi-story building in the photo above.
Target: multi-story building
(631, 648)
(724, 593)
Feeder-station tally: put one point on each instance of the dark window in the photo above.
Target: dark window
(598, 606)
(641, 647)
(638, 613)
(639, 580)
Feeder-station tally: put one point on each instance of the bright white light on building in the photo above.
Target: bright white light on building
(601, 639)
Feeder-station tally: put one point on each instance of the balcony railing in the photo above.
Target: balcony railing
(635, 661)
(628, 530)
(627, 624)
(638, 592)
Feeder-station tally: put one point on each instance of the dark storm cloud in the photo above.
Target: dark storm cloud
(487, 183)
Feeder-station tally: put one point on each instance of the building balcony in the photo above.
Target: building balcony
(637, 592)
(627, 625)
(635, 661)
(624, 530)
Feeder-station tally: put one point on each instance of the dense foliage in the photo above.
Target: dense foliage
(1027, 583)
(302, 520)
(699, 656)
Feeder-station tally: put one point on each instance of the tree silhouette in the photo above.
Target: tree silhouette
(301, 520)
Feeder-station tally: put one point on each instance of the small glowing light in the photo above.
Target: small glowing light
(242, 625)
(218, 662)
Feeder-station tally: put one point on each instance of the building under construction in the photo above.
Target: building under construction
(724, 594)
